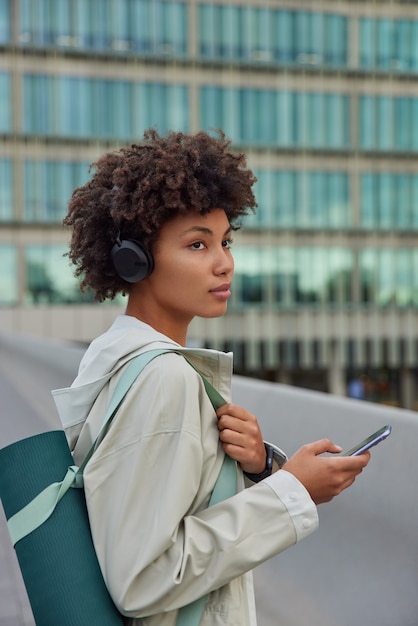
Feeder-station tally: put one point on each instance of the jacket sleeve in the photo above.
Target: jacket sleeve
(147, 490)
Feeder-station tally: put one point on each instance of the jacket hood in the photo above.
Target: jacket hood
(125, 339)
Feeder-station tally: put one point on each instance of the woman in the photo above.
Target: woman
(149, 482)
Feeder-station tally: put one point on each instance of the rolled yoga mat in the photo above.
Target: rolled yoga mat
(58, 561)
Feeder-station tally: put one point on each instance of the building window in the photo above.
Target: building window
(386, 123)
(5, 21)
(389, 201)
(389, 277)
(305, 277)
(49, 276)
(414, 202)
(6, 190)
(48, 186)
(8, 275)
(288, 277)
(250, 281)
(294, 199)
(255, 117)
(317, 279)
(403, 278)
(5, 103)
(367, 273)
(284, 276)
(414, 285)
(388, 45)
(263, 35)
(154, 27)
(84, 108)
(386, 278)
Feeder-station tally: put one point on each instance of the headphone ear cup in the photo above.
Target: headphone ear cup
(131, 261)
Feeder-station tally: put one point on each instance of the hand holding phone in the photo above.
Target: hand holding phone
(324, 477)
(370, 441)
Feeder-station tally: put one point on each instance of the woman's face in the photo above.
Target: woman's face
(193, 268)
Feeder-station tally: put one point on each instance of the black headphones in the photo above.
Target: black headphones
(131, 260)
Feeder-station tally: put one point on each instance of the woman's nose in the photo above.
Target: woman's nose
(224, 263)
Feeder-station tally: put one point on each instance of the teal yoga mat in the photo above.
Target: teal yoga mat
(57, 560)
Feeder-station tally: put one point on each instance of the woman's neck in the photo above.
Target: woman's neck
(166, 326)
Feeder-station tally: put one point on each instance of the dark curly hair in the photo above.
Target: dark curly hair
(137, 189)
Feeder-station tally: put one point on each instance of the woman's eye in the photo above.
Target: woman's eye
(228, 243)
(197, 245)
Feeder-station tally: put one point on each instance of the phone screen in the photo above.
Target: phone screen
(369, 442)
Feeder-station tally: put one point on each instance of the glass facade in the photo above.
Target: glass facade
(389, 277)
(298, 200)
(246, 33)
(138, 26)
(389, 201)
(5, 103)
(389, 44)
(290, 277)
(321, 98)
(49, 277)
(6, 190)
(254, 117)
(5, 22)
(90, 108)
(388, 123)
(287, 199)
(8, 275)
(295, 277)
(48, 186)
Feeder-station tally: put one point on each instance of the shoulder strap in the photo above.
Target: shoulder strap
(38, 510)
(225, 487)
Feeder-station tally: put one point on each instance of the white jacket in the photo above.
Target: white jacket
(148, 485)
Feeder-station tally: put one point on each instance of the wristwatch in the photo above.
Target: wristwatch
(272, 453)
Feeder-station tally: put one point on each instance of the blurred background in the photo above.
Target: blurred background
(323, 98)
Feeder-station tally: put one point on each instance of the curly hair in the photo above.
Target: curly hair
(137, 189)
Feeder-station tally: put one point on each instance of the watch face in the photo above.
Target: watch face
(279, 456)
(269, 457)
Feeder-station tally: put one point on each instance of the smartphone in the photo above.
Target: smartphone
(369, 442)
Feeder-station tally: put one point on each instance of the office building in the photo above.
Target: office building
(323, 98)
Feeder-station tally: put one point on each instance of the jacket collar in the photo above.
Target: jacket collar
(126, 338)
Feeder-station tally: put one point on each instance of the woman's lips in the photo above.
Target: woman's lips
(223, 291)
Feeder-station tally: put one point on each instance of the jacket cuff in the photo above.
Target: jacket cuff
(297, 500)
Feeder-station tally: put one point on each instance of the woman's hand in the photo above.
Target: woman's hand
(325, 477)
(241, 438)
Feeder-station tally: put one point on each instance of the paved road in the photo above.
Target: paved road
(362, 564)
